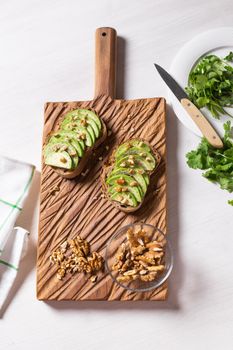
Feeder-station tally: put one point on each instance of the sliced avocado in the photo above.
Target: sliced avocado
(137, 170)
(55, 146)
(59, 160)
(146, 178)
(60, 144)
(135, 151)
(78, 147)
(132, 143)
(112, 178)
(82, 143)
(138, 161)
(132, 189)
(68, 118)
(119, 197)
(82, 114)
(79, 130)
(88, 124)
(69, 141)
(90, 115)
(140, 144)
(58, 147)
(70, 135)
(94, 126)
(138, 177)
(76, 125)
(114, 181)
(91, 132)
(83, 118)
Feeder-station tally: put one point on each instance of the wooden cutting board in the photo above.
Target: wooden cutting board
(77, 206)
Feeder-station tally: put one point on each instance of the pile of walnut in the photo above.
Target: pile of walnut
(139, 258)
(75, 256)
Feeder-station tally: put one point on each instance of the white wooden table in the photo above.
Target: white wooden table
(47, 53)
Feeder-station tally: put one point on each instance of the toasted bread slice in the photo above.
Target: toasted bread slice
(109, 166)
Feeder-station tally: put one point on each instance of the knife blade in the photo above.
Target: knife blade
(199, 119)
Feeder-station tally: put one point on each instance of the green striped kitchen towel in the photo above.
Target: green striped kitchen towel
(14, 250)
(15, 180)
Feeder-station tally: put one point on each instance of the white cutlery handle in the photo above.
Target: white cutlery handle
(202, 123)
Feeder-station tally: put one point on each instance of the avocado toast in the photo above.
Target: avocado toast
(68, 149)
(126, 175)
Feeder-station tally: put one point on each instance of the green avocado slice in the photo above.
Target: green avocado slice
(90, 115)
(113, 181)
(141, 179)
(130, 189)
(132, 143)
(82, 114)
(142, 182)
(59, 160)
(70, 123)
(135, 151)
(79, 130)
(137, 170)
(70, 134)
(94, 126)
(78, 147)
(138, 161)
(91, 132)
(67, 120)
(81, 142)
(55, 146)
(119, 197)
(61, 138)
(77, 124)
(58, 147)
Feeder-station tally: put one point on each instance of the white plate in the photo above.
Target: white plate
(218, 41)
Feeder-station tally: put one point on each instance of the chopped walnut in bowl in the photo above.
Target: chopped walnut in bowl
(138, 257)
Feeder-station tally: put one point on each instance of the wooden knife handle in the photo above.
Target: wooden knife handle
(202, 123)
(105, 61)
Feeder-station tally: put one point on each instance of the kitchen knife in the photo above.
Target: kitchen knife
(199, 119)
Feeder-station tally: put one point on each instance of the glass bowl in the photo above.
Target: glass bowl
(152, 233)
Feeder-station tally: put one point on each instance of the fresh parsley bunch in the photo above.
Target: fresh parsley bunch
(210, 84)
(218, 163)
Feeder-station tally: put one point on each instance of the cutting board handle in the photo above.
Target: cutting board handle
(105, 61)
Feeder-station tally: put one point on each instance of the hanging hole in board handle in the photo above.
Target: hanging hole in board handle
(104, 34)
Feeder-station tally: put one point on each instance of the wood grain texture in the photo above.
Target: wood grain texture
(46, 56)
(105, 61)
(78, 208)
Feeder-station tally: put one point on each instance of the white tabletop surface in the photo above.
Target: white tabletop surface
(47, 53)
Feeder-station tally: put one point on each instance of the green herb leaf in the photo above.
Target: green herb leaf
(229, 57)
(217, 163)
(210, 84)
